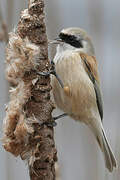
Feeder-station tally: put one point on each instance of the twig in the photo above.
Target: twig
(4, 32)
(26, 132)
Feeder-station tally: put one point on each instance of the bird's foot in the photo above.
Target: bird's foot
(50, 124)
(60, 116)
(53, 123)
(53, 72)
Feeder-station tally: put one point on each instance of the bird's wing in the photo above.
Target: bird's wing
(91, 68)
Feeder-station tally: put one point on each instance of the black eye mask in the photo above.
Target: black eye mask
(71, 39)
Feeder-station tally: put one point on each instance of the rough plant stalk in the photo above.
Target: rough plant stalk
(25, 130)
(4, 28)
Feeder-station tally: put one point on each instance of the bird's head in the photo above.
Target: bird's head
(75, 38)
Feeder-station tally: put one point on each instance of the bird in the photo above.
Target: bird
(80, 98)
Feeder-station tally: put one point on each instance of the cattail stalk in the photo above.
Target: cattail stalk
(26, 133)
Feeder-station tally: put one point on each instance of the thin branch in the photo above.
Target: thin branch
(4, 28)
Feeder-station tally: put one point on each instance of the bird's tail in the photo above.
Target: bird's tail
(108, 154)
(110, 160)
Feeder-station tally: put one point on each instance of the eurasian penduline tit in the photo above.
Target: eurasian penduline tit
(76, 66)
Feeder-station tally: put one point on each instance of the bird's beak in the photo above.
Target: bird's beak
(55, 41)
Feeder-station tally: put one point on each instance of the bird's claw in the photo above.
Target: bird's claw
(60, 116)
(50, 123)
(44, 73)
(53, 72)
(53, 123)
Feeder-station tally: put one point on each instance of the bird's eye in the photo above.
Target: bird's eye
(72, 40)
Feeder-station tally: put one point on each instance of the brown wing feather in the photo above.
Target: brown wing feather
(92, 63)
(91, 68)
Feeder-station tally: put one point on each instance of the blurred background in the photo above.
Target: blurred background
(78, 153)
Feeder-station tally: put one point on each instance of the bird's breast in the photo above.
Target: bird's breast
(81, 97)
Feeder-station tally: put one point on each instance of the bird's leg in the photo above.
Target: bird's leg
(53, 72)
(60, 116)
(53, 123)
(50, 123)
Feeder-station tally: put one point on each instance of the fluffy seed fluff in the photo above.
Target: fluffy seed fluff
(18, 97)
(21, 56)
(16, 128)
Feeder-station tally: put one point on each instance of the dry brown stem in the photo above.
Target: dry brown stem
(4, 28)
(25, 130)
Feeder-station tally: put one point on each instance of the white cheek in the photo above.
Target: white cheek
(63, 50)
(58, 53)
